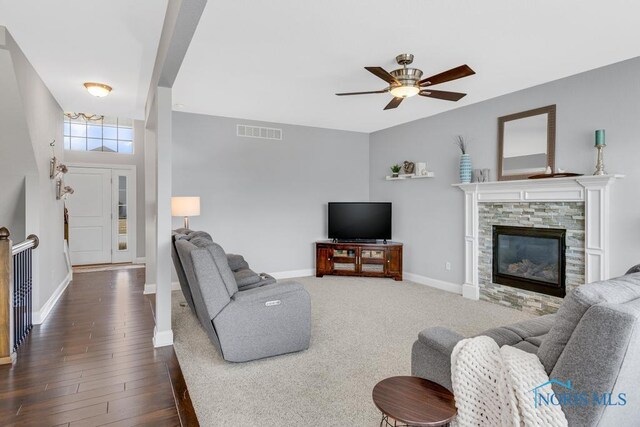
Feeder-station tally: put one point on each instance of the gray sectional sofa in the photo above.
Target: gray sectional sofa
(246, 315)
(593, 341)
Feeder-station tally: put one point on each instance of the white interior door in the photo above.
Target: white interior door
(90, 210)
(124, 215)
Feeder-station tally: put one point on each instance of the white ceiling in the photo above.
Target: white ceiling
(283, 60)
(70, 42)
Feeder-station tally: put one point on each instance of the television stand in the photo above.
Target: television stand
(362, 259)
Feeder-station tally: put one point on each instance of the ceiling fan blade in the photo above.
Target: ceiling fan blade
(383, 74)
(394, 103)
(362, 93)
(442, 94)
(446, 76)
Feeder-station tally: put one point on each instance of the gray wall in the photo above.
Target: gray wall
(12, 208)
(266, 199)
(428, 213)
(137, 159)
(16, 153)
(38, 112)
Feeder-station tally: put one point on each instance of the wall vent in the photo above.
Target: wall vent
(247, 131)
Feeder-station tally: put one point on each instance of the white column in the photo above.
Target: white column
(163, 335)
(150, 205)
(596, 238)
(471, 286)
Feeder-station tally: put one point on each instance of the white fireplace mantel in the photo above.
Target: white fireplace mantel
(592, 190)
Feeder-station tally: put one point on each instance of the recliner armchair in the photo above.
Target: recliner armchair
(593, 341)
(263, 318)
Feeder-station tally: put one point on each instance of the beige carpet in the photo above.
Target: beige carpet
(362, 332)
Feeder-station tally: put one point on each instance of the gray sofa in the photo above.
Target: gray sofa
(593, 341)
(246, 315)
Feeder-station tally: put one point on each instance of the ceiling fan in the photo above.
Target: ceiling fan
(406, 82)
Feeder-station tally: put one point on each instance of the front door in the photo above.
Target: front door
(90, 213)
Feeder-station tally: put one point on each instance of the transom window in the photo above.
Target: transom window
(83, 132)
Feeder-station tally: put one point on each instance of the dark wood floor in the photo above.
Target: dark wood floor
(92, 362)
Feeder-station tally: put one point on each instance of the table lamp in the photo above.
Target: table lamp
(185, 207)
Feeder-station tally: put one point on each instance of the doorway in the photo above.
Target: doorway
(102, 214)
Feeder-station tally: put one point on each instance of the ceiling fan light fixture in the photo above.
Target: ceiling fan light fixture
(99, 90)
(406, 82)
(404, 91)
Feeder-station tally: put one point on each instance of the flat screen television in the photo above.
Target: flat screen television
(353, 221)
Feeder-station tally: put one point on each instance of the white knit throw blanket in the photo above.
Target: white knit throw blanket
(492, 386)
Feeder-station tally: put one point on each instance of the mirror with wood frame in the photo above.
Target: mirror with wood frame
(526, 143)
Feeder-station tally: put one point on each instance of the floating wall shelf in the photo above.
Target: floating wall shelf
(411, 176)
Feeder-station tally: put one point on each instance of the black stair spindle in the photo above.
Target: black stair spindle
(22, 296)
(30, 291)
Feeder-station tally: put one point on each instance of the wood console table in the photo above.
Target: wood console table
(359, 259)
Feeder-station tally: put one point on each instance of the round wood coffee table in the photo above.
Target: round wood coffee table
(413, 401)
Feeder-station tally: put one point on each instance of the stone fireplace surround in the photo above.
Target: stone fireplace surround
(588, 193)
(564, 215)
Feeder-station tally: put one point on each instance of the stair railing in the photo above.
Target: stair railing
(16, 293)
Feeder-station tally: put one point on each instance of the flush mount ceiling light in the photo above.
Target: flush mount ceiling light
(99, 90)
(406, 82)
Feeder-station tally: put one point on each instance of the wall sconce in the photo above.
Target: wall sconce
(56, 169)
(53, 166)
(62, 190)
(56, 172)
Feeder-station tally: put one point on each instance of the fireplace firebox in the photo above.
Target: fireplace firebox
(530, 258)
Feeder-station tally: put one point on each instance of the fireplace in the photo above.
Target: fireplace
(530, 258)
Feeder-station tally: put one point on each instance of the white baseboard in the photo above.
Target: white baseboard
(470, 291)
(293, 273)
(140, 260)
(67, 258)
(150, 288)
(162, 338)
(434, 283)
(39, 316)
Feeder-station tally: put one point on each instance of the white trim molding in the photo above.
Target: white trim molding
(150, 288)
(162, 338)
(433, 283)
(102, 165)
(293, 273)
(592, 190)
(38, 317)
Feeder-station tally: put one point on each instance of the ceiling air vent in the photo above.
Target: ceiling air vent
(259, 132)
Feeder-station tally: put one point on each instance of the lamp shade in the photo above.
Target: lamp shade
(185, 206)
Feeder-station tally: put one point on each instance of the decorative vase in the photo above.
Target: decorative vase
(465, 168)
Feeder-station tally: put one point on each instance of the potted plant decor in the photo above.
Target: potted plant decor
(465, 160)
(395, 169)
